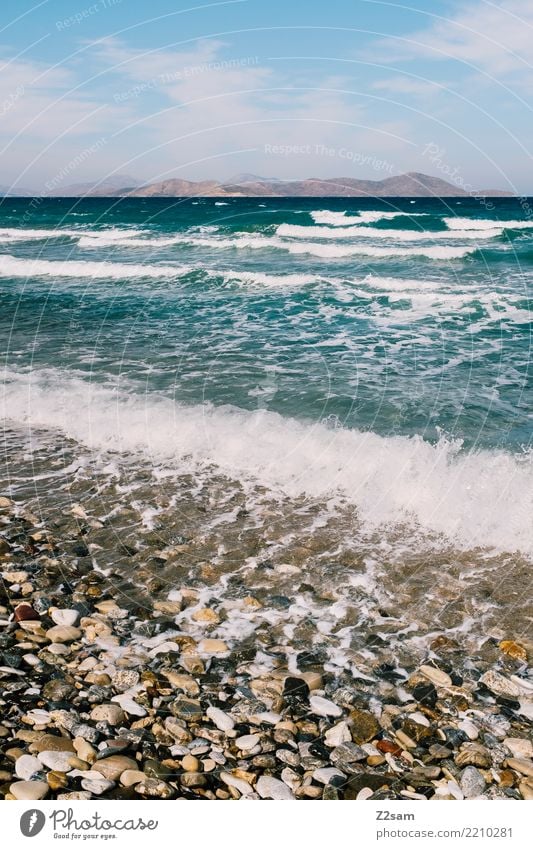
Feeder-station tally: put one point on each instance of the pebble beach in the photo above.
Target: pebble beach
(103, 696)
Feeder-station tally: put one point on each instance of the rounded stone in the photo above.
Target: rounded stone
(26, 766)
(29, 790)
(113, 766)
(111, 713)
(63, 634)
(64, 616)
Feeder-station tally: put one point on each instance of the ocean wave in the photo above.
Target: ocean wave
(298, 231)
(98, 237)
(341, 219)
(478, 498)
(11, 266)
(331, 251)
(485, 224)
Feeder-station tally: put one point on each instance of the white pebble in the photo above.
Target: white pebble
(222, 720)
(323, 707)
(64, 616)
(273, 788)
(26, 766)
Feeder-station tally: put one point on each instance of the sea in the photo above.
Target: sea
(326, 398)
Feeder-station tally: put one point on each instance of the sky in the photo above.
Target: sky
(92, 89)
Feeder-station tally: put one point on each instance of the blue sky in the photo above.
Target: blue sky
(355, 88)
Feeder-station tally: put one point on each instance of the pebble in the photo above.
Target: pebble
(212, 646)
(340, 733)
(471, 730)
(130, 777)
(325, 774)
(247, 742)
(473, 754)
(187, 709)
(500, 685)
(154, 789)
(111, 713)
(272, 788)
(244, 788)
(222, 720)
(97, 785)
(324, 707)
(29, 790)
(436, 676)
(472, 783)
(64, 616)
(113, 766)
(26, 766)
(129, 705)
(190, 763)
(363, 725)
(60, 761)
(522, 765)
(520, 747)
(526, 789)
(63, 634)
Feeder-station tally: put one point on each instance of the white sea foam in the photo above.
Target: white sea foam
(299, 232)
(21, 234)
(341, 219)
(331, 251)
(485, 224)
(481, 498)
(11, 266)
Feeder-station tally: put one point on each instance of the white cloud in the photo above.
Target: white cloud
(495, 38)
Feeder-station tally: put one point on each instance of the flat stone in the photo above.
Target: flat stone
(60, 761)
(212, 646)
(222, 720)
(111, 713)
(500, 685)
(436, 676)
(247, 742)
(187, 709)
(324, 707)
(272, 788)
(472, 783)
(324, 774)
(129, 705)
(26, 766)
(520, 747)
(51, 743)
(63, 634)
(97, 785)
(363, 725)
(29, 790)
(244, 788)
(130, 777)
(64, 616)
(113, 766)
(522, 765)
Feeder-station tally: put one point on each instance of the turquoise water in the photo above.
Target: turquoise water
(380, 349)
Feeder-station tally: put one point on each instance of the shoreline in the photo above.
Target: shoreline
(105, 697)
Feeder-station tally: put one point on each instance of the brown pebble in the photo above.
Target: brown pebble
(25, 612)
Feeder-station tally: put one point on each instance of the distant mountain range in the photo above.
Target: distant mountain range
(412, 184)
